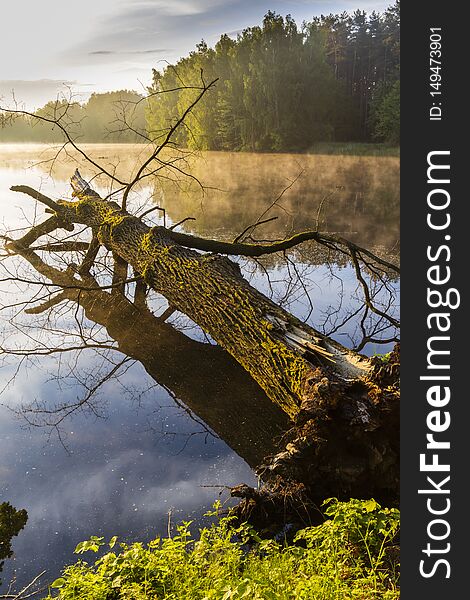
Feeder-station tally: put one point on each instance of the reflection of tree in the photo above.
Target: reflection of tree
(292, 278)
(346, 418)
(271, 344)
(12, 521)
(230, 403)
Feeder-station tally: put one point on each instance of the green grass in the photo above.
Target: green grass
(354, 149)
(351, 555)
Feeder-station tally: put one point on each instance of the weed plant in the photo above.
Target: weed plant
(352, 554)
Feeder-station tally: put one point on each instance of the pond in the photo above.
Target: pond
(163, 421)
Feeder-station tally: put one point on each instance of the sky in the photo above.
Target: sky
(52, 46)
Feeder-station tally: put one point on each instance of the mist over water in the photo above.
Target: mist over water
(357, 196)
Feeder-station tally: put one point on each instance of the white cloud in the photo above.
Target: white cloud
(175, 7)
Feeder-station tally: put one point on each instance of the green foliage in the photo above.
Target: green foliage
(350, 555)
(281, 87)
(385, 114)
(383, 358)
(12, 522)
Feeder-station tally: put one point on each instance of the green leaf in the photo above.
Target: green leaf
(58, 583)
(370, 505)
(113, 541)
(93, 545)
(79, 548)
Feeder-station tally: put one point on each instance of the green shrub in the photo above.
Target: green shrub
(350, 555)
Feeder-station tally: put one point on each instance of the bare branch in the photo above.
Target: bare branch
(56, 122)
(252, 227)
(140, 172)
(25, 189)
(21, 595)
(36, 310)
(63, 247)
(147, 212)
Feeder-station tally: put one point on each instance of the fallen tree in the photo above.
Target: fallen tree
(343, 406)
(287, 358)
(233, 406)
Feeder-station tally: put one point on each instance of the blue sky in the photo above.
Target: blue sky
(99, 45)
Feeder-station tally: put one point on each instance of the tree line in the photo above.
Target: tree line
(285, 87)
(106, 117)
(280, 87)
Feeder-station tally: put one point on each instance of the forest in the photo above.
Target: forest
(280, 87)
(283, 87)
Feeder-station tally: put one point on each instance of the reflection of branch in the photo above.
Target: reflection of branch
(119, 274)
(371, 340)
(365, 288)
(252, 227)
(21, 595)
(140, 294)
(368, 325)
(54, 301)
(166, 314)
(50, 351)
(302, 284)
(90, 256)
(320, 208)
(181, 222)
(36, 232)
(62, 412)
(78, 287)
(147, 212)
(63, 247)
(274, 203)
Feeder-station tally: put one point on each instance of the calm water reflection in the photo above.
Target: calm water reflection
(183, 415)
(119, 476)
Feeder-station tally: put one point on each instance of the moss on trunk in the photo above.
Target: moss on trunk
(284, 356)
